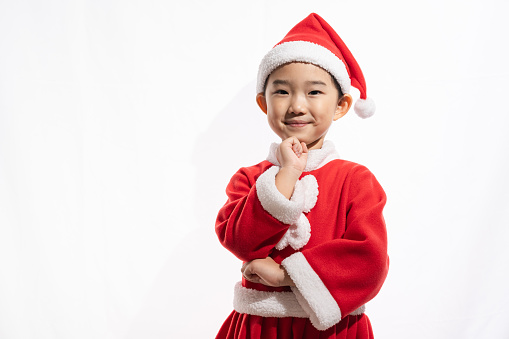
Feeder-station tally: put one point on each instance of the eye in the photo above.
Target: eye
(280, 91)
(315, 92)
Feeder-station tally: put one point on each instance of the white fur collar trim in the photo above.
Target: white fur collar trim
(316, 158)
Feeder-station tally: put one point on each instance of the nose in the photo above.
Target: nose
(298, 105)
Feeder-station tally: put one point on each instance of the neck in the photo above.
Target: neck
(317, 144)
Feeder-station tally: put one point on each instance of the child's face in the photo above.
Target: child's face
(302, 101)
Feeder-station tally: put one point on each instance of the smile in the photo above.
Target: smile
(296, 123)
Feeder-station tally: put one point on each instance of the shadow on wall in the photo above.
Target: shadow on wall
(191, 286)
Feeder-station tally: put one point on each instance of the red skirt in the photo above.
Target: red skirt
(245, 326)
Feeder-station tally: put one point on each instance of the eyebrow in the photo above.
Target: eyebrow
(280, 82)
(316, 82)
(286, 82)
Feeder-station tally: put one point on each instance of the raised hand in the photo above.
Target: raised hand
(292, 156)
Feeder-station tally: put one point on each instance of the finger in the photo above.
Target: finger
(243, 268)
(252, 278)
(304, 147)
(245, 271)
(293, 140)
(297, 149)
(288, 142)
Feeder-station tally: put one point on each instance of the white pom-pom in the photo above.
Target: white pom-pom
(365, 108)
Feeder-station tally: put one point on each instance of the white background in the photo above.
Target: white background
(121, 123)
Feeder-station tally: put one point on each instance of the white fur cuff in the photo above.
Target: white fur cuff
(284, 210)
(312, 294)
(297, 234)
(291, 211)
(306, 195)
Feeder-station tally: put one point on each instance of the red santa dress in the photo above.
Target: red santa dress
(330, 237)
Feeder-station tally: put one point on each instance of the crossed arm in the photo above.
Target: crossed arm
(267, 272)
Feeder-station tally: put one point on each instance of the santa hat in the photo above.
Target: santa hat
(314, 41)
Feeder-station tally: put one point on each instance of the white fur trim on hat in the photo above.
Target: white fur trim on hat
(312, 294)
(303, 51)
(364, 107)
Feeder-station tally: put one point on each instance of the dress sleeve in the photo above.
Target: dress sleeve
(256, 215)
(337, 277)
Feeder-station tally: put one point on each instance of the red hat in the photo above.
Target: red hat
(314, 41)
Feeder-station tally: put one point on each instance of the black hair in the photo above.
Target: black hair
(336, 84)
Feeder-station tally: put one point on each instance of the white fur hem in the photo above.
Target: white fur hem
(359, 311)
(274, 304)
(303, 51)
(312, 294)
(266, 304)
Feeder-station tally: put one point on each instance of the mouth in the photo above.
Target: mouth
(296, 123)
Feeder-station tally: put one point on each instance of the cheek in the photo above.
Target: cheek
(330, 107)
(273, 121)
(324, 111)
(275, 111)
(275, 124)
(276, 106)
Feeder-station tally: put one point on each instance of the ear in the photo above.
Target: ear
(344, 104)
(262, 102)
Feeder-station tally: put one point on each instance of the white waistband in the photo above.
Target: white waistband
(271, 304)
